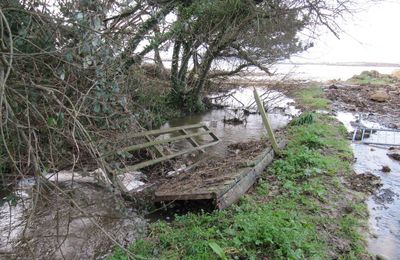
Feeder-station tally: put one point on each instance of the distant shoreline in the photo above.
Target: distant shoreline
(350, 64)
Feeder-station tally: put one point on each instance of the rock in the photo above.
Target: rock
(396, 74)
(394, 156)
(386, 168)
(379, 96)
(380, 257)
(393, 126)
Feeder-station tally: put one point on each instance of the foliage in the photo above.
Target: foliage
(62, 86)
(305, 118)
(244, 33)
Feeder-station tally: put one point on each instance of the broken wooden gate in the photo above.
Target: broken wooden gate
(188, 133)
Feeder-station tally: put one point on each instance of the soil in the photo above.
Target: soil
(364, 182)
(357, 99)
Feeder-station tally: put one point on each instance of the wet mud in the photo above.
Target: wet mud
(361, 99)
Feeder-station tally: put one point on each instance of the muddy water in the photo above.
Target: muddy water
(55, 228)
(384, 207)
(280, 111)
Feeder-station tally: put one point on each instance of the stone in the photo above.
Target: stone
(386, 168)
(379, 96)
(394, 154)
(396, 74)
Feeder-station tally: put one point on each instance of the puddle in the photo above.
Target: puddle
(280, 111)
(384, 207)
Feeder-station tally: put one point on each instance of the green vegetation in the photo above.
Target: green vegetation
(312, 98)
(372, 78)
(299, 209)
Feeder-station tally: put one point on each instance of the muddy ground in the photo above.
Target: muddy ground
(377, 103)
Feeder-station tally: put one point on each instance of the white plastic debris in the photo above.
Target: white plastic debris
(131, 181)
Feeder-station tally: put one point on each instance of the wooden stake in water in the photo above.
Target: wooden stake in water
(266, 122)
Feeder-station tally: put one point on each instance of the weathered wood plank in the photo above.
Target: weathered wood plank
(191, 140)
(156, 142)
(266, 122)
(158, 150)
(239, 188)
(212, 134)
(162, 131)
(161, 159)
(237, 191)
(184, 196)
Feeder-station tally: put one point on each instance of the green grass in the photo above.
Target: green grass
(312, 98)
(371, 78)
(302, 211)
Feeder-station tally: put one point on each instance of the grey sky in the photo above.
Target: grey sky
(371, 35)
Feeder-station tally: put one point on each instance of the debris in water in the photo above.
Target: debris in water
(233, 121)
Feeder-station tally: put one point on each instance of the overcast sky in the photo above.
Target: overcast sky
(371, 35)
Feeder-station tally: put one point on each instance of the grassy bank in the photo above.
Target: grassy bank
(300, 208)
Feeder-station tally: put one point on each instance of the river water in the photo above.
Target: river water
(384, 207)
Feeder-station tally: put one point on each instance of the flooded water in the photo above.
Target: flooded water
(384, 207)
(280, 111)
(86, 224)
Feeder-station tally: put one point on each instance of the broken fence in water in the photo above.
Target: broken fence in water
(389, 137)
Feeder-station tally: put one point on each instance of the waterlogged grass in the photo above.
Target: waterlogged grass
(299, 209)
(312, 98)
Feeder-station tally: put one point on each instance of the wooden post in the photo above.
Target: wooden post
(266, 122)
